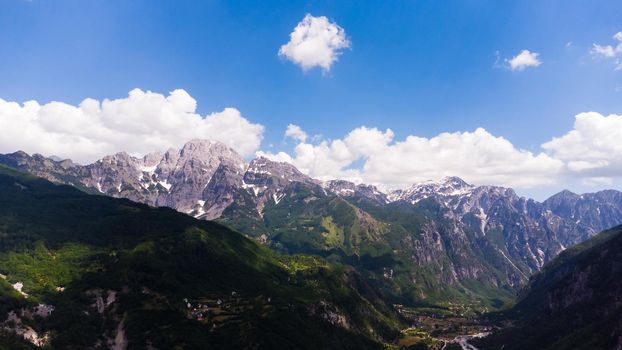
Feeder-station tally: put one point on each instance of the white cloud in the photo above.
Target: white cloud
(295, 132)
(315, 42)
(610, 51)
(592, 148)
(605, 51)
(597, 181)
(138, 124)
(524, 60)
(477, 156)
(590, 153)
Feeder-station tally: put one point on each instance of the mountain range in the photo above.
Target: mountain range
(79, 269)
(424, 243)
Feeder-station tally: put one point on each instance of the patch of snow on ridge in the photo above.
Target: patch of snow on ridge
(345, 191)
(394, 196)
(511, 263)
(277, 197)
(256, 190)
(148, 169)
(207, 182)
(448, 187)
(199, 213)
(165, 184)
(483, 220)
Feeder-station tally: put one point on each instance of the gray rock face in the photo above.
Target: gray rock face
(220, 191)
(176, 178)
(593, 212)
(533, 232)
(266, 180)
(195, 165)
(55, 171)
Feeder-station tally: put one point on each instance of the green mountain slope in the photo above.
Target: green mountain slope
(117, 272)
(573, 303)
(411, 253)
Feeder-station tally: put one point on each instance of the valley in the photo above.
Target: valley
(438, 328)
(310, 175)
(428, 267)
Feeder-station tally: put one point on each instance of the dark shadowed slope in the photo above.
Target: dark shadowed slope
(109, 271)
(575, 302)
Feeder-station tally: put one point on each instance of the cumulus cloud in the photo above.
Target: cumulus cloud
(589, 154)
(524, 59)
(296, 133)
(477, 156)
(315, 42)
(145, 121)
(592, 148)
(610, 51)
(139, 123)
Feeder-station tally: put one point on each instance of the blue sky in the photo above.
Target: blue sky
(416, 67)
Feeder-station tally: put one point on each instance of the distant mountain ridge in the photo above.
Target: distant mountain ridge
(181, 179)
(448, 232)
(563, 219)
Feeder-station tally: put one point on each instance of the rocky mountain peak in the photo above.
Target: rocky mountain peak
(56, 158)
(345, 188)
(201, 145)
(450, 186)
(598, 211)
(19, 154)
(208, 152)
(340, 187)
(264, 167)
(564, 195)
(43, 161)
(119, 159)
(66, 164)
(454, 181)
(152, 159)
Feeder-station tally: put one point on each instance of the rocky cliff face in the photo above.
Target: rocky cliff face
(590, 212)
(534, 232)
